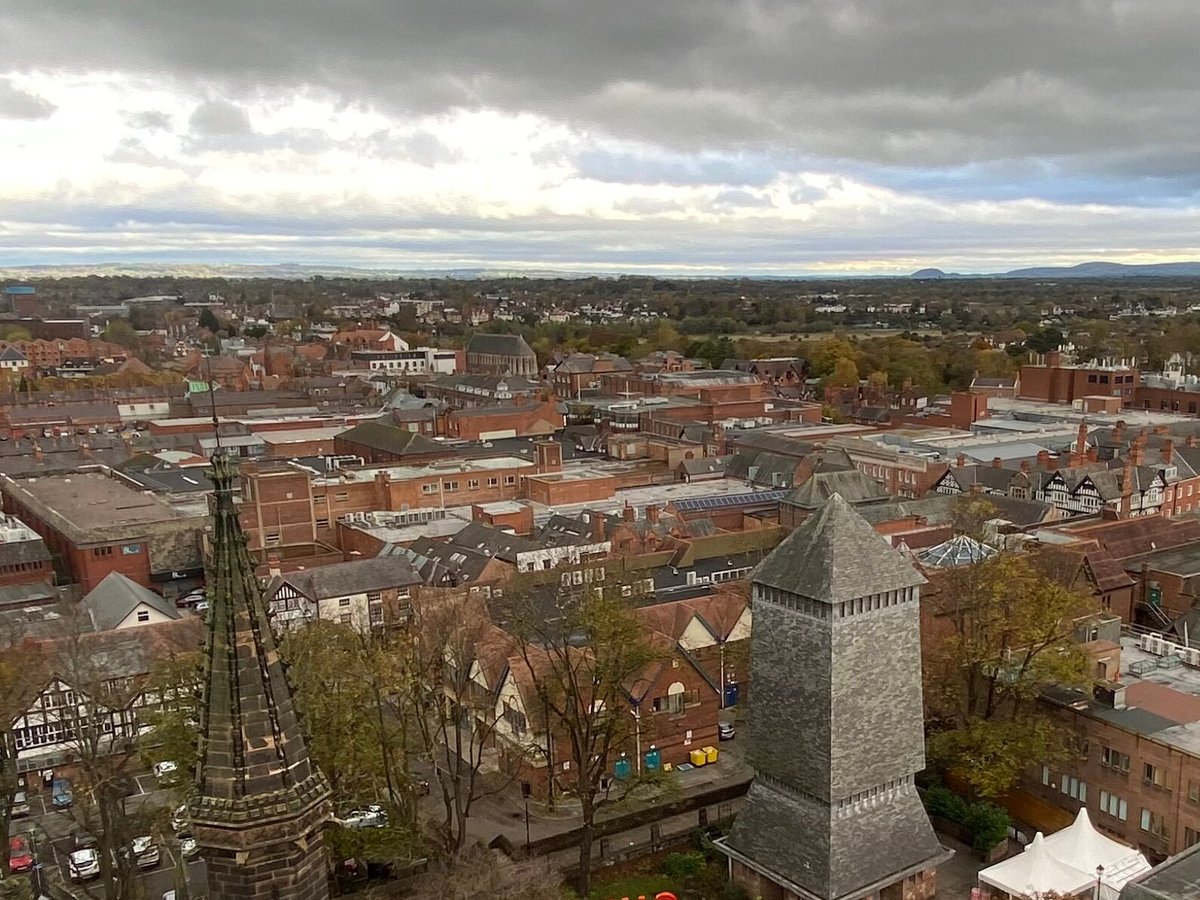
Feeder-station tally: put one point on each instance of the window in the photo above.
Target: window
(342, 497)
(429, 489)
(1190, 837)
(1194, 791)
(674, 701)
(143, 615)
(131, 549)
(450, 486)
(345, 618)
(516, 719)
(343, 602)
(1152, 774)
(1046, 775)
(1074, 788)
(272, 539)
(375, 597)
(510, 479)
(1114, 759)
(102, 551)
(1153, 823)
(493, 482)
(322, 523)
(472, 484)
(1113, 805)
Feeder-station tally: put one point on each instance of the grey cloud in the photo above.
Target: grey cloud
(150, 120)
(742, 200)
(219, 118)
(912, 82)
(18, 104)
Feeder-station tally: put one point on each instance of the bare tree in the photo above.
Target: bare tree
(453, 710)
(479, 874)
(583, 651)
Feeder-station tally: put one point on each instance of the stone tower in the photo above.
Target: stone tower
(260, 802)
(835, 723)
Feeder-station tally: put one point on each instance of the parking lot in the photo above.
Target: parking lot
(53, 834)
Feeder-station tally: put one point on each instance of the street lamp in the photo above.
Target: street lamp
(526, 790)
(636, 712)
(1099, 876)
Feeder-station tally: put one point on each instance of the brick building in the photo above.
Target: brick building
(1136, 759)
(379, 442)
(290, 506)
(1054, 381)
(94, 525)
(580, 372)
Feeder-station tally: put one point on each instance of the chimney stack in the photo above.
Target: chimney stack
(629, 514)
(1093, 454)
(1119, 430)
(961, 460)
(1168, 451)
(1043, 459)
(1081, 440)
(652, 513)
(1025, 466)
(997, 462)
(1127, 487)
(273, 569)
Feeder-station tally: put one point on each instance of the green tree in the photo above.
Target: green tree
(208, 319)
(1004, 631)
(121, 332)
(844, 374)
(15, 333)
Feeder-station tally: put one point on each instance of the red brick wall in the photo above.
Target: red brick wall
(27, 573)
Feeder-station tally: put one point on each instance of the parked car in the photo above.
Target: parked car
(144, 852)
(166, 772)
(188, 848)
(20, 855)
(373, 816)
(725, 731)
(83, 865)
(61, 793)
(20, 805)
(179, 819)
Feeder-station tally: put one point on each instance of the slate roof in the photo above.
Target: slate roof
(991, 477)
(13, 553)
(12, 354)
(836, 556)
(390, 439)
(500, 345)
(355, 577)
(110, 602)
(704, 465)
(585, 363)
(1176, 879)
(852, 485)
(492, 541)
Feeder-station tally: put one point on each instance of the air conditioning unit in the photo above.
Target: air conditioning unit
(1143, 642)
(1156, 646)
(1191, 656)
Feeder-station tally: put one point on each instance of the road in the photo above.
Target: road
(52, 833)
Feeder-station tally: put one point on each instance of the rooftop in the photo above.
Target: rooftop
(89, 507)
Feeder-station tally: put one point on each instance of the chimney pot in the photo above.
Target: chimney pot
(997, 462)
(961, 460)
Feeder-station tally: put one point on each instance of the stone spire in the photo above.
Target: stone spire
(835, 725)
(260, 801)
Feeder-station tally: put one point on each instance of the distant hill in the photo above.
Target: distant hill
(1097, 269)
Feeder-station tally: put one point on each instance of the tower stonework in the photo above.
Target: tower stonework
(260, 803)
(836, 722)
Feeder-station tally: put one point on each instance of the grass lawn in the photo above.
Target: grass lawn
(632, 886)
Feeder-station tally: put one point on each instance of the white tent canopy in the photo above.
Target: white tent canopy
(1034, 872)
(1082, 846)
(1067, 862)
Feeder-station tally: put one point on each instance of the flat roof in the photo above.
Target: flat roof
(430, 470)
(300, 435)
(90, 507)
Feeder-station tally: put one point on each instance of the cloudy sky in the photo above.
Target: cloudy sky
(738, 136)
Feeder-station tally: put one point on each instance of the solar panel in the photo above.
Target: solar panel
(725, 500)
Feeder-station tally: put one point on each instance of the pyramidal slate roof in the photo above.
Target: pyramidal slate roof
(836, 556)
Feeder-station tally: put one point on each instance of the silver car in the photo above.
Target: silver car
(84, 864)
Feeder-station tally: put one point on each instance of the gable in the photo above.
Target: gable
(741, 628)
(696, 635)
